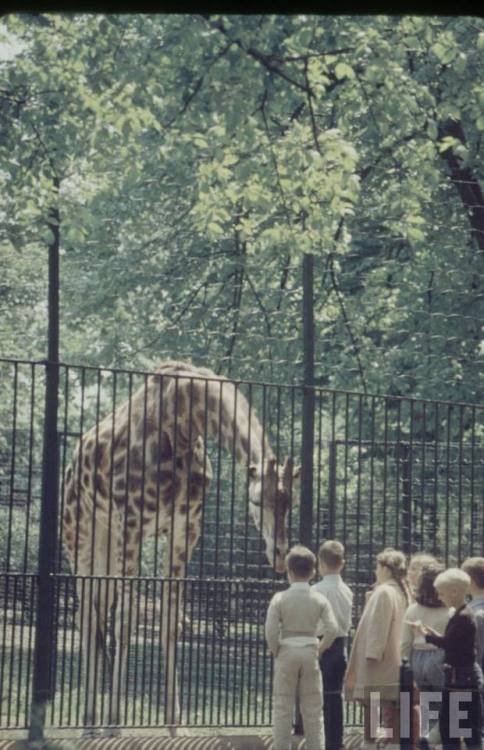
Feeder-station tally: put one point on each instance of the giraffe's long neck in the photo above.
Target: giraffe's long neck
(235, 424)
(200, 404)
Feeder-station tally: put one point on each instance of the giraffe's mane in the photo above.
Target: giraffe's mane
(244, 411)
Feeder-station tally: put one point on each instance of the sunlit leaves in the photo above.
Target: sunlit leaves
(194, 152)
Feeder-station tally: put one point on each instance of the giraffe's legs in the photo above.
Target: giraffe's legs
(186, 534)
(171, 606)
(89, 628)
(95, 600)
(96, 595)
(123, 630)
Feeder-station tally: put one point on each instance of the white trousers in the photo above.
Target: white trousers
(296, 672)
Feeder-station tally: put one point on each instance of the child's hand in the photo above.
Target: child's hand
(427, 630)
(424, 629)
(416, 625)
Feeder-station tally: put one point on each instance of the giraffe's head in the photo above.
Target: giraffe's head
(273, 490)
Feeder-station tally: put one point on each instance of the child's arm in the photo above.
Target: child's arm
(328, 625)
(273, 619)
(459, 629)
(424, 629)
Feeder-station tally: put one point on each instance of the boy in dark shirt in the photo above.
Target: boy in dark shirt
(463, 674)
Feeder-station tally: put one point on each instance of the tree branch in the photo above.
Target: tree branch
(198, 85)
(465, 181)
(241, 248)
(356, 348)
(284, 278)
(272, 63)
(261, 305)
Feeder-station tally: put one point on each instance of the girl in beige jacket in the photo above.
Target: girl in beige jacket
(374, 664)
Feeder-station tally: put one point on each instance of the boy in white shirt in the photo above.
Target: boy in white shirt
(333, 661)
(294, 619)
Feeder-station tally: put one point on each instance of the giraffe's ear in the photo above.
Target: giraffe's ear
(291, 475)
(271, 466)
(253, 471)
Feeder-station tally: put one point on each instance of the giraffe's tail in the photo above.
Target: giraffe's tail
(70, 513)
(103, 647)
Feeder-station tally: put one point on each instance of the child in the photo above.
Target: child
(417, 562)
(294, 618)
(462, 671)
(427, 661)
(374, 663)
(333, 661)
(474, 567)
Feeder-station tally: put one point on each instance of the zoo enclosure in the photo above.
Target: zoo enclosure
(386, 471)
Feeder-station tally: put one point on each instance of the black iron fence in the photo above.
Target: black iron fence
(154, 627)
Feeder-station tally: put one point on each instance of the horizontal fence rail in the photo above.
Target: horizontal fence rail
(179, 495)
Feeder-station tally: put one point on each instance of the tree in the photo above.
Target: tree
(192, 184)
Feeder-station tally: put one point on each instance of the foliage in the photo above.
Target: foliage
(192, 160)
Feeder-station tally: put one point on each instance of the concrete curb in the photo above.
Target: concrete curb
(353, 741)
(246, 742)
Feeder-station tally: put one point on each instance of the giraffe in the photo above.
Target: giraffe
(143, 471)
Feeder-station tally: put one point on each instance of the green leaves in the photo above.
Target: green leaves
(342, 70)
(198, 161)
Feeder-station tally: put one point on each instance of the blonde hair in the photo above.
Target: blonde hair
(453, 578)
(396, 562)
(422, 559)
(332, 553)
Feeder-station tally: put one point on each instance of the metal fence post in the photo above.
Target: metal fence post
(407, 699)
(307, 448)
(331, 521)
(42, 688)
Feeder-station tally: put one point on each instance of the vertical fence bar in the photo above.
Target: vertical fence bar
(333, 470)
(385, 473)
(423, 478)
(25, 566)
(448, 482)
(372, 480)
(7, 578)
(307, 449)
(460, 462)
(319, 500)
(405, 457)
(42, 688)
(345, 464)
(331, 520)
(436, 538)
(63, 584)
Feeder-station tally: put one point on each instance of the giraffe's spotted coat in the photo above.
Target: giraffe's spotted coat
(144, 470)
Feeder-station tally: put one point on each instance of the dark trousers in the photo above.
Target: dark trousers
(472, 723)
(333, 666)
